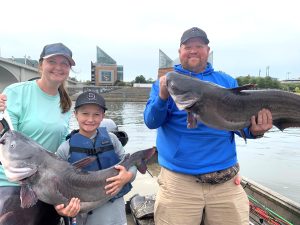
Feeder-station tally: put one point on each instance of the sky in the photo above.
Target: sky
(246, 37)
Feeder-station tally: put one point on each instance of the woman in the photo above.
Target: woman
(40, 109)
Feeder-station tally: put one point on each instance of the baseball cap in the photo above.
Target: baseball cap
(57, 49)
(90, 97)
(193, 32)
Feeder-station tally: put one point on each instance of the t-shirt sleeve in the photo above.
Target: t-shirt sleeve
(63, 151)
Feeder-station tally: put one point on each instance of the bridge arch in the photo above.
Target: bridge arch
(7, 77)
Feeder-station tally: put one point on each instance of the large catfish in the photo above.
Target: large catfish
(44, 176)
(231, 109)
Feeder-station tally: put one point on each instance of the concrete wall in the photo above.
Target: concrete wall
(142, 85)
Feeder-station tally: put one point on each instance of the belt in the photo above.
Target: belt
(218, 177)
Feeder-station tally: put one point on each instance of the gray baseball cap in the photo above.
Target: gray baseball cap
(90, 97)
(194, 32)
(57, 49)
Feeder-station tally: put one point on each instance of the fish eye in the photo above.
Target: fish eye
(12, 145)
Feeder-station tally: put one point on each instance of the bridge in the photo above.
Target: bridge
(12, 72)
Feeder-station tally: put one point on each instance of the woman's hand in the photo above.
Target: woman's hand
(117, 182)
(71, 210)
(2, 102)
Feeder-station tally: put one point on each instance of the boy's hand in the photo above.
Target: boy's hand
(117, 182)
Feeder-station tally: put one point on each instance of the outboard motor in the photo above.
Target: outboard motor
(112, 127)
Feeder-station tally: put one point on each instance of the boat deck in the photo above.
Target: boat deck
(144, 184)
(267, 201)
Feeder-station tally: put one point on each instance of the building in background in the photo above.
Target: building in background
(105, 72)
(166, 63)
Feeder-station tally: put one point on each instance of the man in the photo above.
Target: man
(199, 166)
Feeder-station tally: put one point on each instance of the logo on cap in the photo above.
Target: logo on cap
(91, 96)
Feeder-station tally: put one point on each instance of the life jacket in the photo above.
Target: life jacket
(102, 147)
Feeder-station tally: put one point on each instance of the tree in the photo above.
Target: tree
(119, 83)
(87, 82)
(140, 79)
(73, 79)
(150, 81)
(261, 82)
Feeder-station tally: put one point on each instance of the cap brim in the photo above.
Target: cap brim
(92, 103)
(72, 62)
(206, 41)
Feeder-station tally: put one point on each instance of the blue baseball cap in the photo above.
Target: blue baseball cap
(57, 49)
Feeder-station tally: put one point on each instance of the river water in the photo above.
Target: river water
(273, 161)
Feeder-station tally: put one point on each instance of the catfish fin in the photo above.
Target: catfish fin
(28, 196)
(84, 162)
(244, 87)
(191, 120)
(142, 167)
(148, 153)
(285, 123)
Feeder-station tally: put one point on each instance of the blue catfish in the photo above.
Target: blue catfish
(231, 109)
(42, 175)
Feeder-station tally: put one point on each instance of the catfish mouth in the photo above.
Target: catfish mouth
(185, 104)
(189, 107)
(18, 174)
(183, 99)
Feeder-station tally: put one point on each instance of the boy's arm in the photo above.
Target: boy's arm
(63, 150)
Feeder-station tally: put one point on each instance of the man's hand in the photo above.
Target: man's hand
(263, 123)
(163, 91)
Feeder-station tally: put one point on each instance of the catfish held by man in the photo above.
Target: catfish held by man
(230, 109)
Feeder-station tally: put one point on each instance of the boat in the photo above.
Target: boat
(267, 207)
(270, 207)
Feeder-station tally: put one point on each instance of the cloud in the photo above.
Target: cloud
(245, 36)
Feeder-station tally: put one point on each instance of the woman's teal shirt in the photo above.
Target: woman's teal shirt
(37, 115)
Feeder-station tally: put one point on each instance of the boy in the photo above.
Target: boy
(96, 141)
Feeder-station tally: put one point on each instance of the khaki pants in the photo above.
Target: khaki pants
(181, 201)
